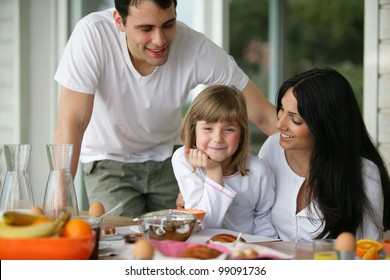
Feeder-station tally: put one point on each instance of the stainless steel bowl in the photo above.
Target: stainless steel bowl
(167, 225)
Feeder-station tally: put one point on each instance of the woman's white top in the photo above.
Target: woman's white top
(292, 226)
(242, 204)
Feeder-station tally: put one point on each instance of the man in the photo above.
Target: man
(125, 75)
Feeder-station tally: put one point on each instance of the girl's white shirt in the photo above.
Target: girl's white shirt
(242, 204)
(299, 227)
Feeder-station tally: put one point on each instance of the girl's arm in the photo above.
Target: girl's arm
(201, 192)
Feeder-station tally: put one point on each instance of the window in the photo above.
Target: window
(314, 33)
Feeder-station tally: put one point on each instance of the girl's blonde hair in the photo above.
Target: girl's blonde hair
(219, 103)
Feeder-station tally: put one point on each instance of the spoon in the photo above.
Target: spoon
(111, 210)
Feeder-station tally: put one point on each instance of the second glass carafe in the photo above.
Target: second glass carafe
(60, 192)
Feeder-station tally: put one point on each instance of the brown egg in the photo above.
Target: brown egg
(96, 209)
(143, 250)
(36, 210)
(345, 242)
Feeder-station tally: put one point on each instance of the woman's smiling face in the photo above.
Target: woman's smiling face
(294, 132)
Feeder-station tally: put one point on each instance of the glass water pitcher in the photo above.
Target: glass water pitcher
(60, 192)
(16, 193)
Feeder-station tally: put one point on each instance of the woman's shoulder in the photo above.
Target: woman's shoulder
(270, 147)
(273, 139)
(256, 163)
(370, 169)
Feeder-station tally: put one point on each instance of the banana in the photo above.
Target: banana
(29, 231)
(20, 219)
(34, 231)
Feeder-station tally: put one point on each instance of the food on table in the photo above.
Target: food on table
(36, 210)
(368, 249)
(200, 252)
(225, 238)
(247, 253)
(167, 224)
(386, 247)
(199, 214)
(12, 229)
(108, 230)
(143, 250)
(345, 241)
(20, 219)
(77, 228)
(42, 220)
(133, 237)
(96, 209)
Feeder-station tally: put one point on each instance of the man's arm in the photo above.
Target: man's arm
(74, 114)
(261, 112)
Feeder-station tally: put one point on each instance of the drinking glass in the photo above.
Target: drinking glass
(324, 249)
(16, 193)
(60, 192)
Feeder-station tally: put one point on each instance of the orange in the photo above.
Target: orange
(368, 249)
(371, 254)
(42, 220)
(76, 228)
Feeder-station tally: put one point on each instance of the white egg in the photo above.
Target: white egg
(345, 242)
(143, 250)
(96, 209)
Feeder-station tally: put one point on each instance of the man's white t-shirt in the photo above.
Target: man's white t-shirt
(137, 118)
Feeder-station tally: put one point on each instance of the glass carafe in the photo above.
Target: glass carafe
(16, 193)
(60, 192)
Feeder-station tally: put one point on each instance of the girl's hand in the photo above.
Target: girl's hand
(198, 158)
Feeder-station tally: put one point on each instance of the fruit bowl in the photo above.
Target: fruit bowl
(199, 214)
(48, 248)
(167, 225)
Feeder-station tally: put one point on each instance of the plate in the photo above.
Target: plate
(103, 245)
(111, 248)
(48, 248)
(120, 232)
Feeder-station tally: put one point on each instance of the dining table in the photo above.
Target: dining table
(300, 251)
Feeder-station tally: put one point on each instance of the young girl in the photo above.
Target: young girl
(330, 177)
(214, 169)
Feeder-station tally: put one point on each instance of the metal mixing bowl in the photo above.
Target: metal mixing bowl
(167, 225)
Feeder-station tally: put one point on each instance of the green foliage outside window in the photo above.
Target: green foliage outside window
(318, 33)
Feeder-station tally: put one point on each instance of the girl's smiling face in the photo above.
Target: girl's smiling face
(218, 140)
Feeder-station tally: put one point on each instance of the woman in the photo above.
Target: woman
(330, 178)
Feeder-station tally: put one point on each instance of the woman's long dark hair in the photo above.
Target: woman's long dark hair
(328, 105)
